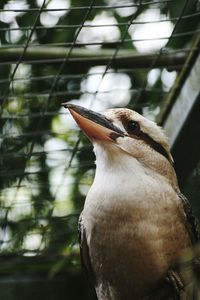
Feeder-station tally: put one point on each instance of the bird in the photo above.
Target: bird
(135, 223)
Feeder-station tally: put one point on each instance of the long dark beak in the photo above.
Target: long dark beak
(95, 125)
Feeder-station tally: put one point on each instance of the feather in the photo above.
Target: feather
(84, 252)
(191, 220)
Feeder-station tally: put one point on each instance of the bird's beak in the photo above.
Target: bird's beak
(95, 125)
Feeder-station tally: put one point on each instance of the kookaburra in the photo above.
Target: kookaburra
(135, 223)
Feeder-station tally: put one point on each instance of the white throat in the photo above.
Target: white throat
(110, 157)
(115, 166)
(118, 171)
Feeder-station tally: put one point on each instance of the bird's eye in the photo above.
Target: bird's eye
(133, 127)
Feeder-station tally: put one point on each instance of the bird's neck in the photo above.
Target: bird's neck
(113, 161)
(111, 158)
(113, 165)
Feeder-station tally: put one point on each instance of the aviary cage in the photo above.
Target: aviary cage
(99, 54)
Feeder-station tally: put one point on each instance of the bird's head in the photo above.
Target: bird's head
(126, 131)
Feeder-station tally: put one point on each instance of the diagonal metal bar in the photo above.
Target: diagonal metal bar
(139, 97)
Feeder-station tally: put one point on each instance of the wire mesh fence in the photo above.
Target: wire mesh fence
(98, 54)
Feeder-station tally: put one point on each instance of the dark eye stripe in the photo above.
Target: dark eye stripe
(146, 138)
(153, 144)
